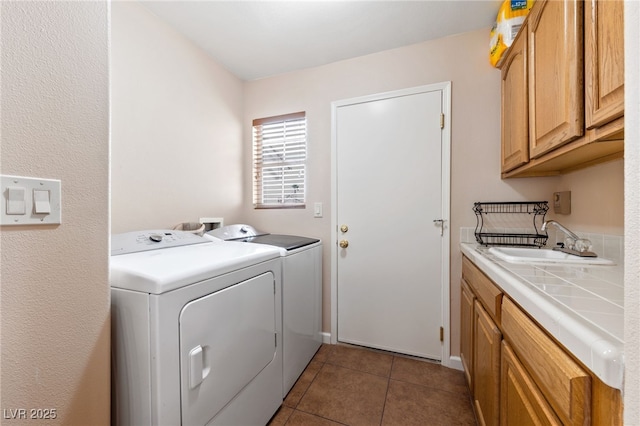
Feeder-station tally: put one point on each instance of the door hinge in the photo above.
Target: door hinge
(442, 334)
(442, 121)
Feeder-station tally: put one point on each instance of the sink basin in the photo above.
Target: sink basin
(529, 255)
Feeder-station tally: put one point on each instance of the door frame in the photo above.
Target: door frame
(445, 87)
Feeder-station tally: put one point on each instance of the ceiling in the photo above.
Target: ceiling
(256, 39)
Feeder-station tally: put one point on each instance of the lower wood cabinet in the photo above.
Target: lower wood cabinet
(486, 368)
(565, 384)
(517, 373)
(521, 402)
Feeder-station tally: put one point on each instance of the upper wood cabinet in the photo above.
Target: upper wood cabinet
(515, 105)
(572, 65)
(556, 101)
(604, 60)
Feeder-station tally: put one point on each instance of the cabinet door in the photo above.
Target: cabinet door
(604, 61)
(486, 369)
(556, 94)
(515, 110)
(563, 382)
(521, 403)
(466, 331)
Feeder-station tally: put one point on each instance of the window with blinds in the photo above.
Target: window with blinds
(279, 161)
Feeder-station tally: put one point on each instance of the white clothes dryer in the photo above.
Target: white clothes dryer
(196, 330)
(301, 293)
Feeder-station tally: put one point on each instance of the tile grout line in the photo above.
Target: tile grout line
(332, 359)
(386, 394)
(305, 392)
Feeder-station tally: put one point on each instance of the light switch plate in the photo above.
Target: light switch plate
(32, 187)
(317, 209)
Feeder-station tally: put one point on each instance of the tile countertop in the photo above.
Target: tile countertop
(580, 306)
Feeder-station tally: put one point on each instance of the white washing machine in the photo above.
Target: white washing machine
(301, 293)
(196, 330)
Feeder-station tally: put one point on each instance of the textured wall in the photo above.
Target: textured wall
(55, 291)
(632, 215)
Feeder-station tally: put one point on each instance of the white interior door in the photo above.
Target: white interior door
(388, 182)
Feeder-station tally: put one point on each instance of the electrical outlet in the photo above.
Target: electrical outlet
(562, 202)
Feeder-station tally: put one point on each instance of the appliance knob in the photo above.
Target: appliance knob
(156, 238)
(244, 229)
(344, 243)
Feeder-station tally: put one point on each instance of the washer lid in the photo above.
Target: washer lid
(163, 270)
(288, 242)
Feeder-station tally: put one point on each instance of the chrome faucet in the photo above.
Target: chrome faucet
(573, 244)
(560, 227)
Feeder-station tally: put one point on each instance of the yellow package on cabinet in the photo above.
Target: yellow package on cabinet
(508, 22)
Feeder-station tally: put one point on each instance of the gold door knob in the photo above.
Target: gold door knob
(344, 243)
(344, 228)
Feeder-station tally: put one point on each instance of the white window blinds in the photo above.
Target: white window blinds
(279, 161)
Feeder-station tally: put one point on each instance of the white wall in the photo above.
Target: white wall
(597, 199)
(55, 290)
(462, 59)
(632, 215)
(176, 127)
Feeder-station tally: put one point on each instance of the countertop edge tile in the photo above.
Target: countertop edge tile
(594, 346)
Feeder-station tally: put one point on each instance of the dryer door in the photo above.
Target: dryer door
(226, 339)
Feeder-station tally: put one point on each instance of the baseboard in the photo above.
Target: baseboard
(456, 363)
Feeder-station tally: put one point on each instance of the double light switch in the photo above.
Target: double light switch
(29, 201)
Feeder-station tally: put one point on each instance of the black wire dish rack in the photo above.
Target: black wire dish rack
(511, 227)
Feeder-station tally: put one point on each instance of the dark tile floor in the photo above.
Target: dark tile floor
(345, 385)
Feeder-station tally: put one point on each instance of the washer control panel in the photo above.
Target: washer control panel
(137, 241)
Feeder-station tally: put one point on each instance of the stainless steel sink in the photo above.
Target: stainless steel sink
(534, 255)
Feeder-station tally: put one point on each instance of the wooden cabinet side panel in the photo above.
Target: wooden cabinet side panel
(563, 382)
(486, 368)
(485, 290)
(521, 403)
(467, 300)
(604, 61)
(606, 404)
(556, 72)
